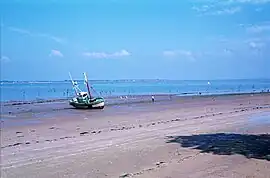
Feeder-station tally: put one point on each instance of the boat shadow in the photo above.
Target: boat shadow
(250, 146)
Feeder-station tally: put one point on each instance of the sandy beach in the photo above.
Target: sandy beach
(189, 137)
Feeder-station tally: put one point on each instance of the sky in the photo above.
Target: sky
(135, 39)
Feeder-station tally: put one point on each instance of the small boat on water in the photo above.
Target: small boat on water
(85, 100)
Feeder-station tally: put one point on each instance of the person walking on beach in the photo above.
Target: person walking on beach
(153, 98)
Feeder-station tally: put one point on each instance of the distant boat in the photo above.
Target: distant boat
(84, 100)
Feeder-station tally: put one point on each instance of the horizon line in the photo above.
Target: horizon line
(68, 80)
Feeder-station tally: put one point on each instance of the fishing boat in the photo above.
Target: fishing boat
(85, 100)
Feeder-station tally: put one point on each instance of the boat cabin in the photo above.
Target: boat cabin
(83, 94)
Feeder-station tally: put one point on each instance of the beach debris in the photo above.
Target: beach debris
(125, 175)
(84, 133)
(52, 127)
(174, 120)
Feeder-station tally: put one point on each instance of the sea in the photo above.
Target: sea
(47, 90)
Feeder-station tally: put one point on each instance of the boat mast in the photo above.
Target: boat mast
(74, 85)
(87, 85)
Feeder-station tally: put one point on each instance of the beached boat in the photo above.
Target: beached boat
(85, 100)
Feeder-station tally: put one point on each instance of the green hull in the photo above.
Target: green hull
(86, 103)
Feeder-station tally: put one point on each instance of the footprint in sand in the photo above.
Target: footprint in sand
(70, 137)
(19, 134)
(160, 163)
(15, 144)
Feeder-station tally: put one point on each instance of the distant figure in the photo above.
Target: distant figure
(153, 98)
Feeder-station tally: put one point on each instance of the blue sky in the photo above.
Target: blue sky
(124, 39)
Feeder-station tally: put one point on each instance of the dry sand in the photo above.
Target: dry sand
(189, 137)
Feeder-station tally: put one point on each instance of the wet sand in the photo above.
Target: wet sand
(201, 136)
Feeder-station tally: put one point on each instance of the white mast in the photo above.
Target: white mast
(87, 85)
(74, 85)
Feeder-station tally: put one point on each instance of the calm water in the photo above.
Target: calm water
(11, 91)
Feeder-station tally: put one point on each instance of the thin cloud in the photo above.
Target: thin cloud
(230, 2)
(243, 46)
(32, 34)
(249, 1)
(256, 45)
(227, 52)
(56, 53)
(222, 7)
(4, 59)
(259, 28)
(203, 8)
(216, 10)
(122, 53)
(179, 53)
(225, 11)
(259, 9)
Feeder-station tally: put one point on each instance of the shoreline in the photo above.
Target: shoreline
(122, 97)
(39, 113)
(61, 105)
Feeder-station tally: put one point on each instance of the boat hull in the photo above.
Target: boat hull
(97, 103)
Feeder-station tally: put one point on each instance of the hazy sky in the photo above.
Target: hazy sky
(123, 39)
